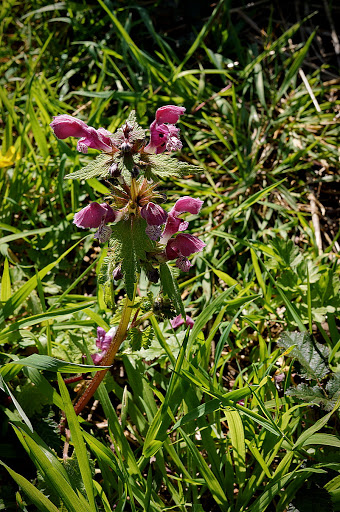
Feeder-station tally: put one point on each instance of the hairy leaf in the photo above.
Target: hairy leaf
(315, 394)
(140, 339)
(99, 167)
(165, 166)
(311, 355)
(130, 244)
(136, 132)
(170, 287)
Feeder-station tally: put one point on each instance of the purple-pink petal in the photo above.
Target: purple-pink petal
(183, 245)
(154, 214)
(173, 225)
(100, 336)
(186, 204)
(163, 134)
(68, 126)
(93, 214)
(103, 342)
(178, 321)
(96, 358)
(169, 114)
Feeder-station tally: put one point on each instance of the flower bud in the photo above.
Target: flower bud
(114, 170)
(178, 320)
(154, 214)
(153, 275)
(135, 172)
(117, 274)
(126, 147)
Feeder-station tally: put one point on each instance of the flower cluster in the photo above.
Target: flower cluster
(182, 245)
(164, 136)
(137, 196)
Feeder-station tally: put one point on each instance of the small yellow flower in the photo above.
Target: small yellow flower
(9, 158)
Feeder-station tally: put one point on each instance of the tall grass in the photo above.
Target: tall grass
(240, 413)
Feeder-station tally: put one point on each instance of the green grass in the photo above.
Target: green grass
(198, 421)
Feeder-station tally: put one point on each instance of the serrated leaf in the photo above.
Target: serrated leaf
(130, 244)
(165, 166)
(136, 133)
(135, 338)
(99, 167)
(125, 163)
(170, 288)
(311, 355)
(315, 395)
(311, 394)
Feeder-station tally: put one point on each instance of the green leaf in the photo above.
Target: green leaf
(157, 432)
(272, 489)
(136, 133)
(78, 442)
(140, 339)
(323, 439)
(165, 166)
(38, 132)
(315, 428)
(199, 411)
(20, 295)
(37, 319)
(130, 245)
(37, 497)
(51, 364)
(170, 288)
(54, 478)
(5, 389)
(5, 283)
(209, 477)
(314, 395)
(99, 167)
(311, 355)
(207, 313)
(24, 234)
(236, 432)
(293, 70)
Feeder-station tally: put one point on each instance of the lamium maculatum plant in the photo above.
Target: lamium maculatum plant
(140, 233)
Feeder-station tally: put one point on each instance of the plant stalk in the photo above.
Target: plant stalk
(109, 356)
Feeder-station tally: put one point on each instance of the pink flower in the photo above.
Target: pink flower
(181, 247)
(154, 214)
(174, 223)
(96, 216)
(178, 320)
(93, 214)
(165, 136)
(67, 126)
(103, 342)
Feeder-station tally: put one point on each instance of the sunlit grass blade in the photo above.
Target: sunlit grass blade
(52, 475)
(19, 296)
(37, 497)
(78, 442)
(209, 477)
(236, 432)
